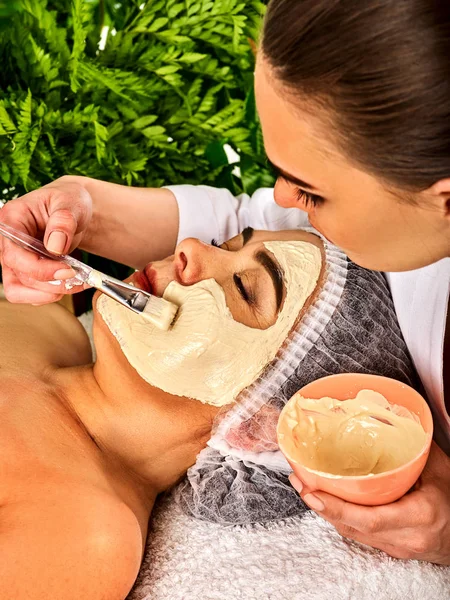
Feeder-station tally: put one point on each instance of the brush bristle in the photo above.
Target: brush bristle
(160, 312)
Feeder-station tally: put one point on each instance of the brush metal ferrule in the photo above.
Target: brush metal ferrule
(124, 293)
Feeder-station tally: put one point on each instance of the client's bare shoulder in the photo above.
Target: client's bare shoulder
(36, 430)
(67, 525)
(35, 338)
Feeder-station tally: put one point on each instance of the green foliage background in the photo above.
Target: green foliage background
(173, 84)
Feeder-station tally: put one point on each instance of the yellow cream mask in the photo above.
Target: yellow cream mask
(207, 355)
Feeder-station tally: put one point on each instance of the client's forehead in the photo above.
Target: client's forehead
(287, 235)
(257, 236)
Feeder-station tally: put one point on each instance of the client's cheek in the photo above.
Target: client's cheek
(240, 315)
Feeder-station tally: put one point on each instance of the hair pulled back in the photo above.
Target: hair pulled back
(382, 69)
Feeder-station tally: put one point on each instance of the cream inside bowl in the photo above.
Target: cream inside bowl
(365, 435)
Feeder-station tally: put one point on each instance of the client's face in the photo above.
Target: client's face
(249, 275)
(238, 303)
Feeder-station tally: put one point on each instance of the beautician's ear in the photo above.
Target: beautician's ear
(440, 194)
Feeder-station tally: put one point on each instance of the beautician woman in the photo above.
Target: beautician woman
(354, 100)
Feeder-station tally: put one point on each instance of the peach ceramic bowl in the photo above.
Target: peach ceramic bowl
(370, 490)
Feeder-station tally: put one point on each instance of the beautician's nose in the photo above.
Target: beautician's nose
(285, 196)
(195, 261)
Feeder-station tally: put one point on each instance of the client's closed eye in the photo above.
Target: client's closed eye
(246, 295)
(256, 278)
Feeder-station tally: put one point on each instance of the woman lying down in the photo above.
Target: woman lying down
(86, 448)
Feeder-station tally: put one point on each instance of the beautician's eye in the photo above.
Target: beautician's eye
(214, 243)
(241, 288)
(307, 198)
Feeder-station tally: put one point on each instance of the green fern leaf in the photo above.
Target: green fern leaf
(144, 121)
(136, 165)
(172, 80)
(6, 123)
(167, 70)
(153, 131)
(79, 16)
(25, 118)
(101, 138)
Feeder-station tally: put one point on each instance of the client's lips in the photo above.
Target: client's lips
(141, 281)
(150, 275)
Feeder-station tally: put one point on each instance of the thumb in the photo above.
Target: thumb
(61, 228)
(70, 210)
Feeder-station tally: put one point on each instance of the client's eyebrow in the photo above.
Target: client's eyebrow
(291, 178)
(275, 273)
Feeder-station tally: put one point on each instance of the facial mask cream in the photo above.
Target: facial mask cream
(361, 436)
(207, 355)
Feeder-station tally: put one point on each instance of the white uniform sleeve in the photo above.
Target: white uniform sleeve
(210, 213)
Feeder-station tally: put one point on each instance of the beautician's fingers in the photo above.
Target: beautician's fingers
(407, 529)
(366, 519)
(394, 551)
(59, 213)
(387, 517)
(381, 543)
(16, 292)
(417, 525)
(63, 224)
(37, 268)
(413, 511)
(374, 522)
(411, 543)
(296, 483)
(69, 215)
(350, 532)
(71, 285)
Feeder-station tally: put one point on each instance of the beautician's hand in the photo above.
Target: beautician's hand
(58, 213)
(415, 527)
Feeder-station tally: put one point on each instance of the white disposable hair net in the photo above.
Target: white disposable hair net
(242, 477)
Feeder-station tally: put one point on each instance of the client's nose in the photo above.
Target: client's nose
(193, 261)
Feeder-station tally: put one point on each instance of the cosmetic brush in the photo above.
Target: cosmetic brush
(158, 311)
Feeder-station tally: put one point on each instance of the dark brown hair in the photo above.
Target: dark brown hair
(382, 68)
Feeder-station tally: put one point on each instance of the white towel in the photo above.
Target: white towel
(302, 558)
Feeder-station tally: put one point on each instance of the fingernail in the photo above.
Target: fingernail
(296, 483)
(314, 502)
(64, 274)
(57, 242)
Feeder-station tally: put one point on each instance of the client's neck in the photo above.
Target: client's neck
(154, 436)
